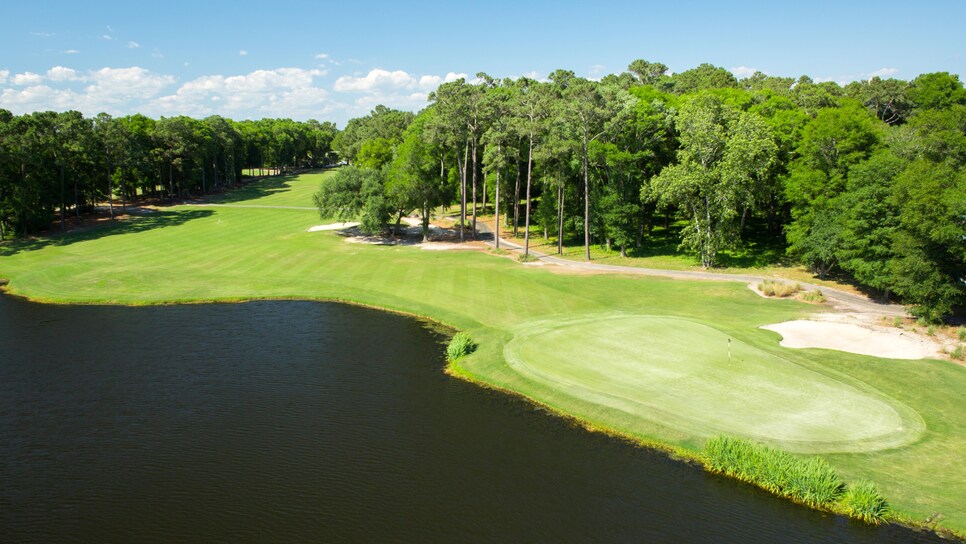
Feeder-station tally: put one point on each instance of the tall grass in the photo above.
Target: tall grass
(808, 480)
(862, 500)
(773, 288)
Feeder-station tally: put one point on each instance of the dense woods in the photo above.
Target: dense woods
(865, 180)
(56, 165)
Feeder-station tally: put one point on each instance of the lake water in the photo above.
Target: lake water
(311, 422)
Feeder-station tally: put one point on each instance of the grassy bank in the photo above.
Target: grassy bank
(245, 249)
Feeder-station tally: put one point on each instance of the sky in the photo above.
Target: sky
(333, 61)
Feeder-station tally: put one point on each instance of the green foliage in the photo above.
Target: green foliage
(808, 480)
(958, 353)
(460, 345)
(814, 296)
(862, 500)
(355, 194)
(527, 258)
(961, 333)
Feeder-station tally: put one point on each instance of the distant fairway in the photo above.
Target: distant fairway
(676, 372)
(662, 380)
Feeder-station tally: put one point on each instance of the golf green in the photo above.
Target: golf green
(693, 377)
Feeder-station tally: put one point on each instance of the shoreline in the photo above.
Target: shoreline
(456, 370)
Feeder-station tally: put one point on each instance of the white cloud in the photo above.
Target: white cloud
(289, 92)
(742, 72)
(27, 78)
(133, 45)
(106, 37)
(71, 52)
(242, 53)
(849, 78)
(3, 76)
(60, 73)
(322, 56)
(375, 79)
(884, 73)
(43, 34)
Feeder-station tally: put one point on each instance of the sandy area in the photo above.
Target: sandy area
(333, 226)
(856, 337)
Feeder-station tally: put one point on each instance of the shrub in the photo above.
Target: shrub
(962, 334)
(773, 288)
(897, 321)
(813, 296)
(931, 330)
(958, 352)
(528, 258)
(460, 345)
(862, 500)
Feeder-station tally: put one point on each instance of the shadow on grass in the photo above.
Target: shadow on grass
(142, 223)
(256, 189)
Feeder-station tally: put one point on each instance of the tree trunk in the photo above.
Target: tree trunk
(526, 228)
(744, 216)
(560, 217)
(496, 205)
(474, 188)
(425, 221)
(63, 200)
(516, 203)
(586, 199)
(463, 172)
(110, 191)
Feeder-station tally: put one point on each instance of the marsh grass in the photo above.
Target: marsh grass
(862, 500)
(779, 289)
(962, 334)
(528, 258)
(808, 480)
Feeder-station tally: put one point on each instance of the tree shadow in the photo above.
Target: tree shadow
(254, 190)
(134, 224)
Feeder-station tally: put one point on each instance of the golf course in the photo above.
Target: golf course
(668, 363)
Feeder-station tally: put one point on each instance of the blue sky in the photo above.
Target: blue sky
(336, 60)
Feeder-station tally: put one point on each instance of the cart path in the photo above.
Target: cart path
(842, 300)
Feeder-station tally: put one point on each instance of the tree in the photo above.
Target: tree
(413, 181)
(647, 73)
(354, 193)
(722, 152)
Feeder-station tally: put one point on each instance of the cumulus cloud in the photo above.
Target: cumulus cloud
(290, 92)
(133, 45)
(27, 78)
(742, 72)
(61, 73)
(884, 72)
(395, 89)
(4, 74)
(865, 76)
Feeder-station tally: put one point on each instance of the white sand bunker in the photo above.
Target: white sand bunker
(853, 339)
(445, 246)
(333, 226)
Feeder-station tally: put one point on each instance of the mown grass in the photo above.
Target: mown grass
(219, 253)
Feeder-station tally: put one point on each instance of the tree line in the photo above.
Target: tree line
(56, 165)
(864, 179)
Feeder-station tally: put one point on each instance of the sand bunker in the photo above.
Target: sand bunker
(853, 338)
(333, 226)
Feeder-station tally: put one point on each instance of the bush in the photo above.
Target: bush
(808, 480)
(460, 345)
(813, 296)
(528, 258)
(957, 353)
(862, 500)
(962, 334)
(773, 288)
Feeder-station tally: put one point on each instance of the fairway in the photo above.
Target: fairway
(677, 372)
(642, 356)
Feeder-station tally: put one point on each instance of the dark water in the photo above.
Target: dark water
(308, 422)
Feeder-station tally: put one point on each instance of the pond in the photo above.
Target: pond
(284, 421)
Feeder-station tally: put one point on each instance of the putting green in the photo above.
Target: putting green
(677, 373)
